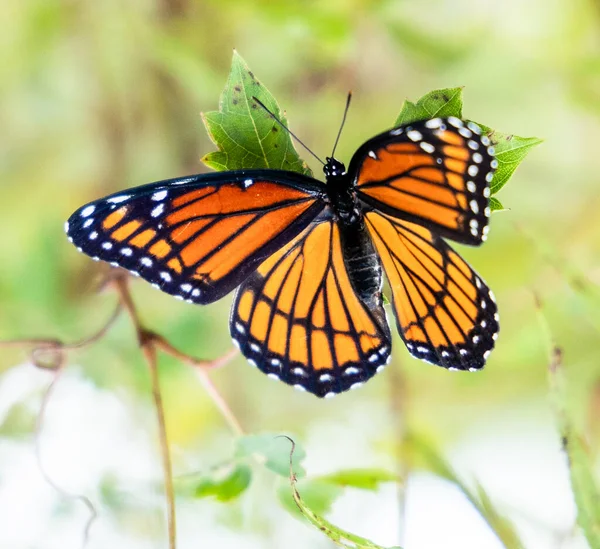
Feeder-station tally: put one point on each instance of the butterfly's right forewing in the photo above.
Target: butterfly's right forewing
(199, 237)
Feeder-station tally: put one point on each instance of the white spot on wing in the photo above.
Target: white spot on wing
(87, 211)
(158, 210)
(433, 123)
(427, 147)
(474, 128)
(118, 199)
(456, 122)
(159, 195)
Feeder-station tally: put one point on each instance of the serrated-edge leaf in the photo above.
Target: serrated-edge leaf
(443, 103)
(584, 485)
(510, 151)
(365, 479)
(246, 136)
(496, 205)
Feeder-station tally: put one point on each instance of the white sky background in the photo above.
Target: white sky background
(93, 437)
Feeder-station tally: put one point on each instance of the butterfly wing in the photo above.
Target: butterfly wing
(298, 319)
(446, 314)
(435, 173)
(198, 237)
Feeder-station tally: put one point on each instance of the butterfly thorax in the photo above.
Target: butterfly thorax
(342, 196)
(364, 269)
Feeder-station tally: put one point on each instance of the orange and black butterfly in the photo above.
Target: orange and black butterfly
(307, 257)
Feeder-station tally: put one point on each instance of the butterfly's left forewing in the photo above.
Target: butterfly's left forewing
(299, 319)
(436, 173)
(197, 238)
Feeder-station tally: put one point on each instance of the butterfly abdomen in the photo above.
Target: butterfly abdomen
(362, 263)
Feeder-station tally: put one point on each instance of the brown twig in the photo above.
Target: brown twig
(149, 343)
(146, 343)
(39, 347)
(38, 456)
(202, 368)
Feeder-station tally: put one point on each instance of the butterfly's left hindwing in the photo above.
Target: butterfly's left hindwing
(445, 312)
(298, 318)
(197, 238)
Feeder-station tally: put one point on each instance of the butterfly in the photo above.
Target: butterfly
(307, 259)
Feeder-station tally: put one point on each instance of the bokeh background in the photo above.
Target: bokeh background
(96, 97)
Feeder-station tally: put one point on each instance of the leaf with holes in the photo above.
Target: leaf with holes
(438, 103)
(246, 135)
(511, 150)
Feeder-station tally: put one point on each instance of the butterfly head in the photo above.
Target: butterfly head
(333, 168)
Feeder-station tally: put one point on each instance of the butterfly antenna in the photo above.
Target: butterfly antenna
(286, 128)
(342, 124)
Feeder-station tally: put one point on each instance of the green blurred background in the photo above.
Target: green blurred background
(98, 96)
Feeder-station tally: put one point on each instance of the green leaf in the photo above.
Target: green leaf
(478, 497)
(365, 479)
(497, 206)
(321, 496)
(318, 495)
(273, 451)
(585, 486)
(248, 137)
(443, 103)
(225, 484)
(511, 150)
